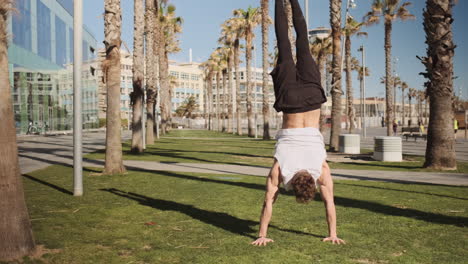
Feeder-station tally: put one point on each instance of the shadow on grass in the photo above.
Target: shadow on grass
(58, 188)
(397, 190)
(218, 219)
(380, 165)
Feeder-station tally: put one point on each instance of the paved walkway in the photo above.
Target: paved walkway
(38, 153)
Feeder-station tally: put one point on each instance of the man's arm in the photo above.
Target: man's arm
(272, 191)
(326, 191)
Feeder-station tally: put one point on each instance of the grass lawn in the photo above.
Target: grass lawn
(168, 217)
(201, 146)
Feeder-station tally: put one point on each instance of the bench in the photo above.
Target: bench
(413, 132)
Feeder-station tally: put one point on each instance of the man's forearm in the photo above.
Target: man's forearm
(265, 218)
(331, 219)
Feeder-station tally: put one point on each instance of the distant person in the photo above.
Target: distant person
(421, 128)
(395, 127)
(300, 156)
(383, 121)
(455, 127)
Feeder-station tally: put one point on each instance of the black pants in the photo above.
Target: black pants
(297, 86)
(305, 65)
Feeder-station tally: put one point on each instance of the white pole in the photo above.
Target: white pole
(306, 7)
(77, 118)
(143, 120)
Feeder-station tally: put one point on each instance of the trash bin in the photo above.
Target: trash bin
(350, 143)
(388, 149)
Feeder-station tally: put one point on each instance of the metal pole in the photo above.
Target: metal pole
(77, 118)
(255, 90)
(364, 90)
(143, 120)
(306, 7)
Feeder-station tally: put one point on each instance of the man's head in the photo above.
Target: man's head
(303, 185)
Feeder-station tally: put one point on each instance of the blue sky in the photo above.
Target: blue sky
(202, 20)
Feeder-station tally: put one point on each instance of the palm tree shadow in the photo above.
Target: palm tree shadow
(218, 219)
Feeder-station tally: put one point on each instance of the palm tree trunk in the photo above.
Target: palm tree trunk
(138, 77)
(112, 31)
(248, 60)
(403, 103)
(349, 85)
(165, 88)
(410, 112)
(335, 21)
(223, 109)
(218, 119)
(15, 228)
(265, 86)
(230, 97)
(388, 77)
(321, 61)
(440, 151)
(150, 17)
(238, 97)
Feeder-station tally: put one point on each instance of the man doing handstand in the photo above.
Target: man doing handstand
(300, 156)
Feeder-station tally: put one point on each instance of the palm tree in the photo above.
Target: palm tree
(357, 67)
(170, 26)
(411, 94)
(390, 10)
(227, 39)
(249, 19)
(266, 21)
(151, 59)
(335, 22)
(440, 151)
(403, 87)
(351, 28)
(15, 227)
(138, 77)
(112, 41)
(320, 49)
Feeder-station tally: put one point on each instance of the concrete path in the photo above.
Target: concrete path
(41, 152)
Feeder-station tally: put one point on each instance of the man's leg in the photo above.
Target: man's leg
(306, 65)
(281, 29)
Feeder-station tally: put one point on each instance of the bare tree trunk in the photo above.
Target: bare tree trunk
(321, 61)
(349, 85)
(112, 31)
(150, 17)
(335, 21)
(388, 77)
(403, 103)
(165, 88)
(440, 151)
(16, 238)
(238, 97)
(138, 77)
(288, 10)
(265, 86)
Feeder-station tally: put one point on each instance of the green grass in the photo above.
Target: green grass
(200, 146)
(212, 219)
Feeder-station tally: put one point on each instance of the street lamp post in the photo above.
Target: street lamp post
(77, 118)
(363, 92)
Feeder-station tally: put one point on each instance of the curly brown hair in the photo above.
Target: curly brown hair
(303, 185)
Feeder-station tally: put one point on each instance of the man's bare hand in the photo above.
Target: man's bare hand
(262, 241)
(334, 240)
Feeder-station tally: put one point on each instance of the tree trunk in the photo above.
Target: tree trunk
(335, 21)
(112, 31)
(16, 238)
(138, 77)
(218, 118)
(223, 109)
(403, 103)
(265, 86)
(288, 10)
(248, 60)
(238, 97)
(440, 151)
(388, 77)
(210, 100)
(230, 93)
(150, 18)
(410, 112)
(321, 61)
(349, 85)
(165, 88)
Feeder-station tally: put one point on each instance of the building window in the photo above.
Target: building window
(195, 77)
(22, 24)
(175, 74)
(60, 46)
(43, 31)
(185, 76)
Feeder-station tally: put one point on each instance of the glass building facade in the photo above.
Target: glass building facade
(41, 67)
